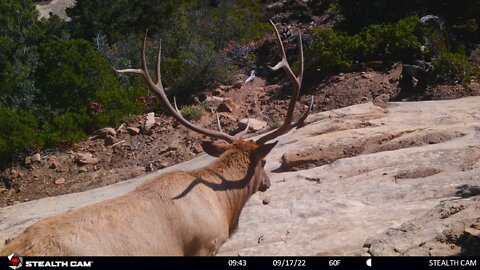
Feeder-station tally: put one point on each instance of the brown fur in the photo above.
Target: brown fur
(179, 213)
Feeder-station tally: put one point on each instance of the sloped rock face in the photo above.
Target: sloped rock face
(401, 179)
(451, 227)
(366, 180)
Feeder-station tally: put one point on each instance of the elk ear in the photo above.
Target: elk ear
(215, 149)
(263, 150)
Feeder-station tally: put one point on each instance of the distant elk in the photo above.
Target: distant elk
(177, 213)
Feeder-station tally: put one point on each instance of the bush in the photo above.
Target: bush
(70, 74)
(360, 13)
(116, 105)
(64, 128)
(79, 92)
(19, 35)
(192, 112)
(18, 132)
(193, 33)
(332, 51)
(454, 67)
(196, 68)
(389, 41)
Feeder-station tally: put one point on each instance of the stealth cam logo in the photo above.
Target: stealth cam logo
(15, 261)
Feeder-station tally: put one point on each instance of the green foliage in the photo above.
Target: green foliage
(333, 51)
(192, 112)
(360, 13)
(215, 21)
(192, 33)
(80, 91)
(18, 132)
(64, 128)
(70, 73)
(116, 105)
(388, 41)
(454, 67)
(194, 69)
(329, 52)
(19, 33)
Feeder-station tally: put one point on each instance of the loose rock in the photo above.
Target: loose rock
(54, 165)
(86, 158)
(133, 130)
(36, 158)
(227, 106)
(60, 181)
(267, 200)
(149, 122)
(104, 132)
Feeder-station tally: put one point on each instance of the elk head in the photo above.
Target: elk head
(256, 150)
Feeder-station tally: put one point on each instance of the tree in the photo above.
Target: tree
(70, 73)
(19, 34)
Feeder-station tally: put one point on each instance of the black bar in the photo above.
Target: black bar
(263, 263)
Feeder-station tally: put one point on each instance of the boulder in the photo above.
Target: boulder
(104, 132)
(60, 181)
(237, 84)
(227, 106)
(149, 121)
(54, 165)
(36, 158)
(28, 160)
(86, 158)
(212, 102)
(133, 130)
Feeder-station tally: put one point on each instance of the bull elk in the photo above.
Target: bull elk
(178, 213)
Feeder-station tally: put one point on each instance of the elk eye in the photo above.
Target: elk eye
(264, 162)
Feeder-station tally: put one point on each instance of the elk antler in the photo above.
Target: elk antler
(297, 81)
(158, 89)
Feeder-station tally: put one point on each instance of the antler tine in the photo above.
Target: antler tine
(157, 68)
(243, 132)
(175, 104)
(218, 123)
(300, 56)
(158, 89)
(284, 62)
(287, 124)
(300, 120)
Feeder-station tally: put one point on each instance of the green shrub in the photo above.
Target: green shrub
(20, 32)
(117, 104)
(196, 68)
(18, 132)
(193, 33)
(192, 112)
(64, 128)
(70, 74)
(332, 51)
(361, 13)
(329, 52)
(388, 41)
(454, 67)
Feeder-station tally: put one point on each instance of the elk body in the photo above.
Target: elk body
(178, 213)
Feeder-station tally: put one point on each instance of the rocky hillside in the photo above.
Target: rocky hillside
(365, 176)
